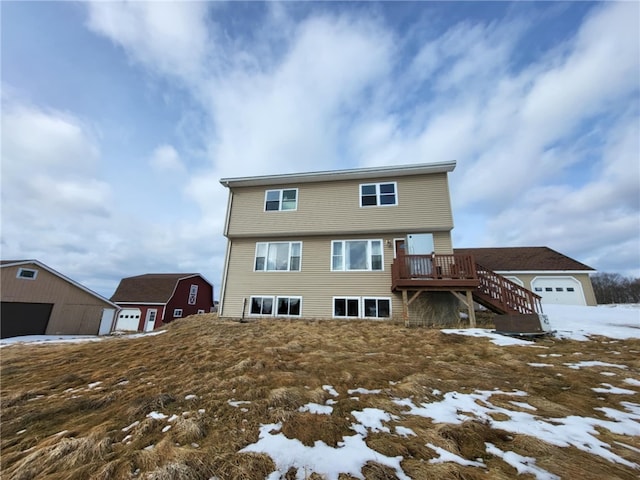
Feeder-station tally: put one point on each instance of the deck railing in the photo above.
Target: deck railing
(435, 266)
(503, 293)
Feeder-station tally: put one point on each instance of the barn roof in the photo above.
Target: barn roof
(523, 259)
(149, 288)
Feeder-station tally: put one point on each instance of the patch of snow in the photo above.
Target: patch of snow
(633, 449)
(613, 390)
(93, 385)
(127, 438)
(149, 447)
(201, 410)
(134, 424)
(579, 322)
(234, 403)
(579, 432)
(540, 364)
(316, 408)
(404, 431)
(190, 397)
(522, 405)
(608, 374)
(371, 418)
(632, 381)
(351, 454)
(331, 401)
(446, 456)
(436, 392)
(53, 339)
(594, 363)
(364, 391)
(157, 415)
(496, 338)
(172, 418)
(21, 431)
(166, 429)
(522, 464)
(330, 390)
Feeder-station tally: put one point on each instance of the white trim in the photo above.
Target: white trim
(514, 279)
(273, 305)
(395, 254)
(140, 303)
(280, 199)
(63, 277)
(333, 307)
(225, 274)
(544, 272)
(369, 255)
(350, 174)
(177, 313)
(378, 194)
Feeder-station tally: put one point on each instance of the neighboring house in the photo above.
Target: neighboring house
(152, 299)
(37, 300)
(558, 279)
(361, 243)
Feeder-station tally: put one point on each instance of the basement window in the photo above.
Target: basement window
(376, 307)
(27, 273)
(177, 313)
(346, 307)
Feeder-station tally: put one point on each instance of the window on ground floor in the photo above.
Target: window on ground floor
(346, 307)
(177, 313)
(276, 306)
(376, 307)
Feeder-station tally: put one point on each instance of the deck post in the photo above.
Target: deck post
(405, 308)
(471, 310)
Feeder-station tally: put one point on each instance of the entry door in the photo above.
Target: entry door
(150, 322)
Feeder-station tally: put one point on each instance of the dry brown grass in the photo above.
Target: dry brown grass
(72, 431)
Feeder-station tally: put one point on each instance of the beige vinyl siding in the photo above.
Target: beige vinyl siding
(583, 278)
(74, 310)
(334, 208)
(316, 283)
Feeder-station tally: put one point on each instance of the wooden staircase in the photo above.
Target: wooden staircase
(503, 296)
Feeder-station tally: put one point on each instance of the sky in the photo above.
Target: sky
(119, 119)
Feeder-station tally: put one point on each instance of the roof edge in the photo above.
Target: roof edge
(333, 175)
(64, 277)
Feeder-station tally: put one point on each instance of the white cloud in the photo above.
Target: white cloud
(168, 37)
(165, 158)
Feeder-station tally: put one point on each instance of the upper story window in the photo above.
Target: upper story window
(378, 194)
(27, 273)
(278, 256)
(286, 199)
(356, 255)
(193, 294)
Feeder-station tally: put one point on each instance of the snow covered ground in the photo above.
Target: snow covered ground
(51, 339)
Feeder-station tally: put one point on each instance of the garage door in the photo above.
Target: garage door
(17, 318)
(559, 290)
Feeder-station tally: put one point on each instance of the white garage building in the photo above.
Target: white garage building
(558, 279)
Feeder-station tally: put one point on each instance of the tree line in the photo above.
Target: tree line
(614, 288)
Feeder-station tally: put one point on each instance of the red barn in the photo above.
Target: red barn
(152, 299)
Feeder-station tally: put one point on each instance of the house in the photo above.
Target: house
(149, 300)
(558, 279)
(370, 243)
(37, 300)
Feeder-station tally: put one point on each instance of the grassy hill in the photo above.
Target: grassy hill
(182, 404)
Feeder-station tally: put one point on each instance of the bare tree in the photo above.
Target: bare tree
(614, 288)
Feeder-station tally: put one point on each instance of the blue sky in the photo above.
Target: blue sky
(119, 118)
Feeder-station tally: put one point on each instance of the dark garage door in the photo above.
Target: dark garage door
(18, 318)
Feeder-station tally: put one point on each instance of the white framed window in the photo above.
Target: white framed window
(27, 273)
(278, 256)
(374, 307)
(356, 255)
(193, 295)
(285, 306)
(281, 200)
(378, 194)
(200, 310)
(346, 307)
(177, 313)
(288, 306)
(261, 306)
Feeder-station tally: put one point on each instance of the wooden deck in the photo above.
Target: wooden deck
(434, 273)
